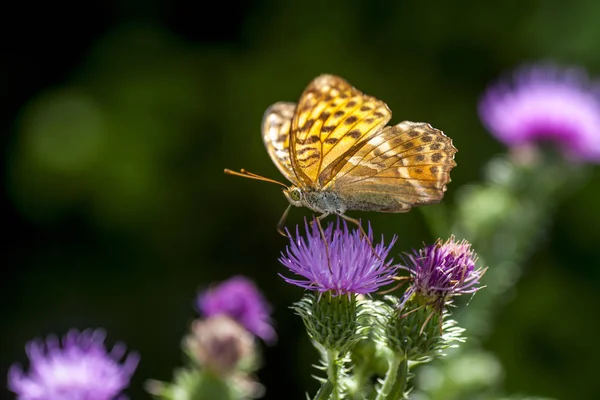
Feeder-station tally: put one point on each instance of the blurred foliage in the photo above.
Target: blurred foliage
(121, 119)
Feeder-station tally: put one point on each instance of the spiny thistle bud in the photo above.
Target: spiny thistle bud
(419, 332)
(220, 345)
(331, 321)
(223, 352)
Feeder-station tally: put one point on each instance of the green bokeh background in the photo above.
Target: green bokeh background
(121, 116)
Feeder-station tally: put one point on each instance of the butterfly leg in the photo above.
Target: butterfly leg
(362, 232)
(357, 223)
(401, 281)
(318, 220)
(282, 221)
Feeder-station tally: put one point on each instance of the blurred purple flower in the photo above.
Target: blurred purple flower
(79, 369)
(546, 103)
(443, 270)
(353, 266)
(240, 299)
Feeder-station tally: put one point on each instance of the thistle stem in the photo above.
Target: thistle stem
(324, 392)
(394, 383)
(399, 389)
(333, 373)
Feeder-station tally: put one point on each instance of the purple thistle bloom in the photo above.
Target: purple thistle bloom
(353, 265)
(443, 270)
(545, 103)
(79, 369)
(240, 299)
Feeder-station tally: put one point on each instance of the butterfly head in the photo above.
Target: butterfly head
(294, 195)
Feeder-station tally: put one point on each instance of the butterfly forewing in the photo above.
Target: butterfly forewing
(402, 166)
(276, 125)
(331, 117)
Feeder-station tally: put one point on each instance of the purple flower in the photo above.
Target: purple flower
(341, 262)
(545, 103)
(442, 270)
(241, 300)
(79, 369)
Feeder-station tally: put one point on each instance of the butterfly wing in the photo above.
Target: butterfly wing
(276, 125)
(331, 117)
(401, 167)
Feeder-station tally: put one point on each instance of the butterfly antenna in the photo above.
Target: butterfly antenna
(245, 174)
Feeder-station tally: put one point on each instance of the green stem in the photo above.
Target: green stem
(333, 373)
(325, 392)
(399, 388)
(389, 380)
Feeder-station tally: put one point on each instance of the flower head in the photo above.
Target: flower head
(443, 270)
(339, 260)
(219, 344)
(240, 299)
(545, 103)
(79, 369)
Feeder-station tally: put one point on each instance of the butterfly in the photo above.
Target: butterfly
(339, 155)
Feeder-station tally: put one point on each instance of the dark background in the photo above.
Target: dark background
(119, 117)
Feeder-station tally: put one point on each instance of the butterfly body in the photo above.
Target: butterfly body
(339, 155)
(321, 201)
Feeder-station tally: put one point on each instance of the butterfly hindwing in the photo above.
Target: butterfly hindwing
(402, 166)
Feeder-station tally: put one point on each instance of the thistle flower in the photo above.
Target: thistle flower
(219, 344)
(227, 356)
(545, 103)
(341, 261)
(79, 369)
(240, 299)
(442, 270)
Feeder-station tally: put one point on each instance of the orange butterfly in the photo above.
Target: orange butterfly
(334, 147)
